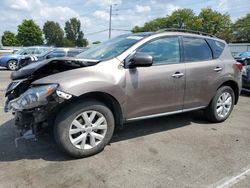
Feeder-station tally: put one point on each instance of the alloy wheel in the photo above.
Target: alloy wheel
(88, 130)
(12, 65)
(224, 104)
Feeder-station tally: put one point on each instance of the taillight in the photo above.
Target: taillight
(239, 66)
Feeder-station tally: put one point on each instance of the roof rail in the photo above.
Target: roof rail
(186, 31)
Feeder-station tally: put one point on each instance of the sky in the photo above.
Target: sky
(94, 14)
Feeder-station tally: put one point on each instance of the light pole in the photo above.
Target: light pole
(110, 19)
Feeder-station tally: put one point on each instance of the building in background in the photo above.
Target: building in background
(239, 47)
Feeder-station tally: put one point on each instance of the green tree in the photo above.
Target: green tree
(9, 39)
(53, 33)
(242, 29)
(182, 18)
(153, 25)
(68, 43)
(208, 21)
(74, 33)
(137, 29)
(29, 33)
(215, 23)
(96, 42)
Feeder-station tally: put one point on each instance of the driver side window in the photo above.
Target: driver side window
(163, 50)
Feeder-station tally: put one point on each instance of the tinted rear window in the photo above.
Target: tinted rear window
(196, 49)
(217, 47)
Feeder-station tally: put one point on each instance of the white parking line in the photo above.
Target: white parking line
(233, 180)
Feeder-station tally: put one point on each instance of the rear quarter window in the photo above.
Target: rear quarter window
(217, 47)
(196, 49)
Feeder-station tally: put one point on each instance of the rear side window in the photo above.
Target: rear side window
(217, 47)
(196, 49)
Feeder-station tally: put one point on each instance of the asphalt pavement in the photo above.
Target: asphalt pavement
(176, 151)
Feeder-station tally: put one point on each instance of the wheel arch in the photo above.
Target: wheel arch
(11, 60)
(108, 100)
(235, 88)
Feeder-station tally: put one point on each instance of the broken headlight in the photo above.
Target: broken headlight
(33, 97)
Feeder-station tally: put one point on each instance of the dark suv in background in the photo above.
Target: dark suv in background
(244, 59)
(131, 77)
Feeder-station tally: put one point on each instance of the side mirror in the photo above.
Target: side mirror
(138, 59)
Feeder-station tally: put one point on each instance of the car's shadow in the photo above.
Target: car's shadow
(45, 148)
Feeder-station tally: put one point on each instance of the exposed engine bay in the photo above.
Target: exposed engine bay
(27, 101)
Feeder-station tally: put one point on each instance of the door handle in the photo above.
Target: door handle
(178, 75)
(218, 69)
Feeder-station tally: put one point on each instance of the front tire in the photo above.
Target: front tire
(221, 105)
(84, 129)
(12, 65)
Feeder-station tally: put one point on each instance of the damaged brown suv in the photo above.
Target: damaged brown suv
(131, 77)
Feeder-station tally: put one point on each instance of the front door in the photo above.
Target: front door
(159, 88)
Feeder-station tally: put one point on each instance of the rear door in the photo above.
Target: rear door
(160, 87)
(203, 72)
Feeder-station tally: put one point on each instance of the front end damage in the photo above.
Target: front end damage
(35, 105)
(36, 108)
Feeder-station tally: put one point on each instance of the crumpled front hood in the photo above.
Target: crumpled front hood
(103, 77)
(27, 70)
(66, 77)
(51, 66)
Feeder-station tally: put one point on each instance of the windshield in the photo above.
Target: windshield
(110, 48)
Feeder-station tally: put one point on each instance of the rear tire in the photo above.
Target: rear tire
(84, 116)
(221, 105)
(12, 65)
